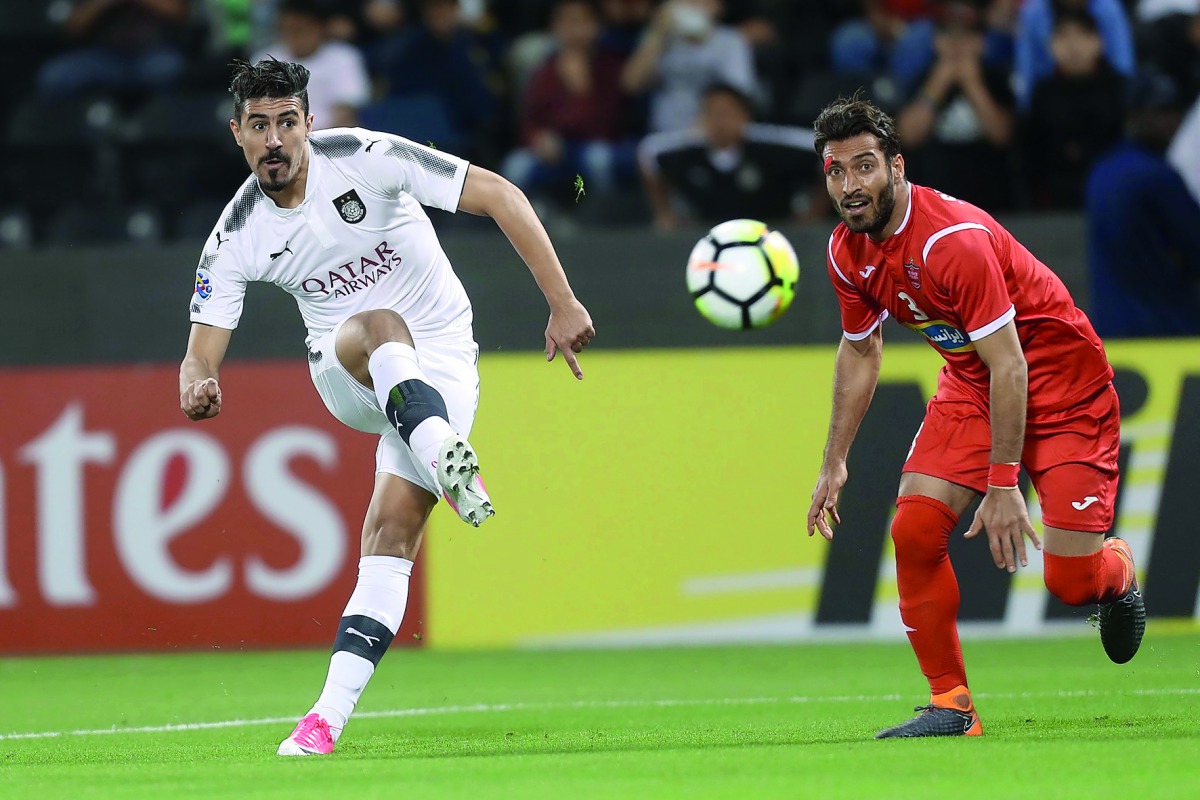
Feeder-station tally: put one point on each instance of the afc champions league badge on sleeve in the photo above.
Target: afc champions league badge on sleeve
(351, 207)
(204, 288)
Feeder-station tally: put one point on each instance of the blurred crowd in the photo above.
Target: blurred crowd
(658, 112)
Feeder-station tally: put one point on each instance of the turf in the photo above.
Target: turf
(735, 722)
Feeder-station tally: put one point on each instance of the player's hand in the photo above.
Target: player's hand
(1003, 514)
(825, 498)
(201, 400)
(569, 330)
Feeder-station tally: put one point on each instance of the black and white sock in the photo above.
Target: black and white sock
(410, 401)
(370, 621)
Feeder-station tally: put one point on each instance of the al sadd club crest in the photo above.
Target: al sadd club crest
(351, 207)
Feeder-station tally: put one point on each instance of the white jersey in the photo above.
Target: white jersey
(360, 240)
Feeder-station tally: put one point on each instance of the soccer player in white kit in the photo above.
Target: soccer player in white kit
(335, 218)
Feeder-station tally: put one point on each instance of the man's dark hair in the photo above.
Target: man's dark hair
(729, 90)
(848, 117)
(269, 78)
(1079, 16)
(959, 15)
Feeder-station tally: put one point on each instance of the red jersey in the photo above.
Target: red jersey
(953, 274)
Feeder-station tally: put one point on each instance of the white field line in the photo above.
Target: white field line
(491, 708)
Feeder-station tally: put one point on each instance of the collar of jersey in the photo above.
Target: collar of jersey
(896, 238)
(310, 187)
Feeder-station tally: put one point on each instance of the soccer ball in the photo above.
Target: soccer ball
(742, 274)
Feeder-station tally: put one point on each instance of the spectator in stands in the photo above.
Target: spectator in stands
(1143, 227)
(1035, 28)
(339, 85)
(798, 31)
(381, 18)
(573, 111)
(1168, 40)
(788, 40)
(957, 128)
(1076, 113)
(362, 22)
(730, 167)
(1184, 153)
(514, 20)
(124, 46)
(1000, 39)
(439, 56)
(892, 37)
(231, 28)
(682, 52)
(624, 23)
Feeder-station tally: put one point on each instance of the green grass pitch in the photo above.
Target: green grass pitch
(729, 722)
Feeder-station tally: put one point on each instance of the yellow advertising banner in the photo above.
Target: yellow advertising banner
(663, 498)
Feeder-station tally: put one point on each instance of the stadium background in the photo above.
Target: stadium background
(659, 501)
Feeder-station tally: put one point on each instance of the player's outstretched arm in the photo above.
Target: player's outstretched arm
(199, 391)
(570, 328)
(855, 375)
(1003, 513)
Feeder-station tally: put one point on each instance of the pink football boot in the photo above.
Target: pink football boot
(312, 737)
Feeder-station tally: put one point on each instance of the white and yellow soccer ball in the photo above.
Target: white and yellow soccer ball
(742, 274)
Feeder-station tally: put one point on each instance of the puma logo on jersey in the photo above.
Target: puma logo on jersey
(285, 249)
(1080, 505)
(372, 144)
(220, 241)
(867, 270)
(370, 639)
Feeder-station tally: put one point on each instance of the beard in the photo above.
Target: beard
(276, 178)
(885, 205)
(272, 182)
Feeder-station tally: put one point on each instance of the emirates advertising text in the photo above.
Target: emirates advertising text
(123, 526)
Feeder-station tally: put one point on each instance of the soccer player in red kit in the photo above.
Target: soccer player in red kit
(1026, 382)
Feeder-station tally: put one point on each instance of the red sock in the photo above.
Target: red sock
(928, 589)
(1082, 580)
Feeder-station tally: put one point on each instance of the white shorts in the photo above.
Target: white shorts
(450, 365)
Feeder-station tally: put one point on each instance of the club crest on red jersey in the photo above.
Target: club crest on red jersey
(914, 274)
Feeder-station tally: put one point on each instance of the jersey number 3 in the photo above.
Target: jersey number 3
(920, 315)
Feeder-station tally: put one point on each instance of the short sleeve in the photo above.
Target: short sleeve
(964, 260)
(395, 164)
(220, 284)
(860, 314)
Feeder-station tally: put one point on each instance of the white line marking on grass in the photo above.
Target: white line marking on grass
(493, 708)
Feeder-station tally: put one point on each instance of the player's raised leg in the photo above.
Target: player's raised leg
(1082, 568)
(1073, 466)
(927, 511)
(391, 538)
(377, 349)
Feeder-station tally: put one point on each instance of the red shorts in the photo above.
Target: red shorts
(1070, 455)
